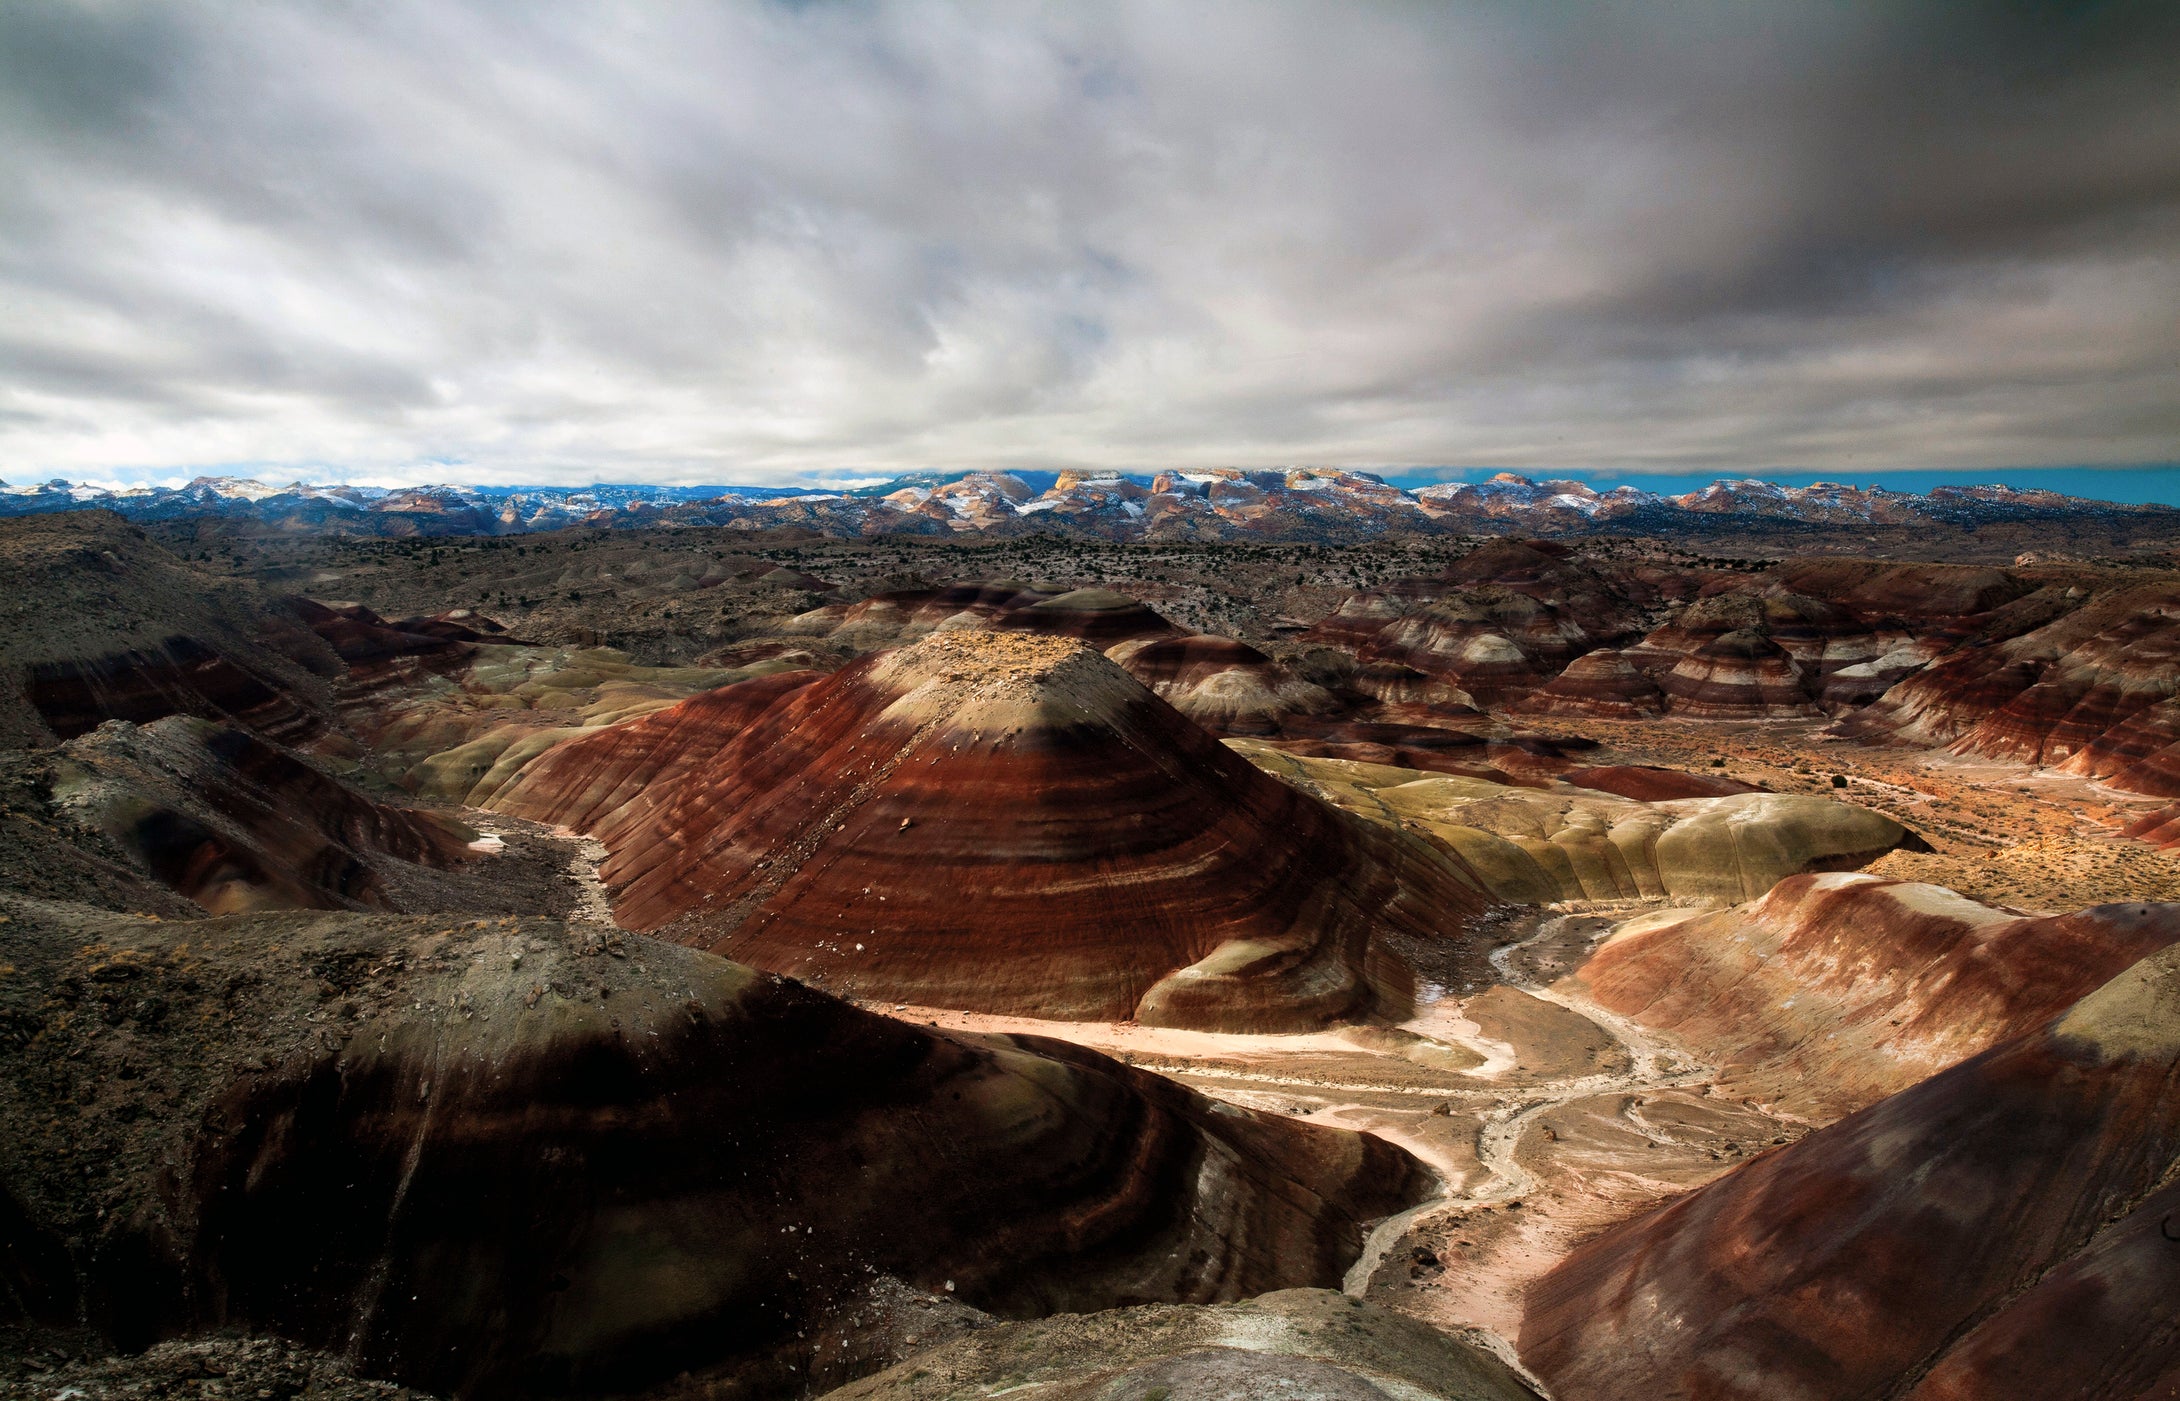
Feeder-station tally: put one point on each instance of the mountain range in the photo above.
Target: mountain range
(1300, 503)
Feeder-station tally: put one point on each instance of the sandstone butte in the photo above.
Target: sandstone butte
(1000, 822)
(511, 1157)
(2003, 1229)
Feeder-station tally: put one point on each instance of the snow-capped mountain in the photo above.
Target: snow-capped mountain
(1297, 503)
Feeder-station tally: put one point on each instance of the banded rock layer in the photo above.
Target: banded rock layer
(514, 1158)
(98, 624)
(2001, 1231)
(236, 824)
(1835, 990)
(1004, 823)
(2087, 691)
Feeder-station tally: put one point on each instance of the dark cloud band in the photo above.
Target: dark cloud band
(700, 242)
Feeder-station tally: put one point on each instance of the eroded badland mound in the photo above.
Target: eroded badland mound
(1730, 977)
(1990, 1232)
(1835, 990)
(504, 1157)
(1008, 823)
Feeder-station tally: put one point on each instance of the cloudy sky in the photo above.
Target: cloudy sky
(744, 242)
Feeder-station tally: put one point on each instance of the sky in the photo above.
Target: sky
(738, 242)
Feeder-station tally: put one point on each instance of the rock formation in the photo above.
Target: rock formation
(1603, 685)
(1550, 842)
(1498, 622)
(1228, 687)
(1100, 617)
(1307, 1344)
(499, 1158)
(1740, 675)
(2063, 690)
(1835, 990)
(236, 824)
(1009, 823)
(98, 624)
(1999, 1230)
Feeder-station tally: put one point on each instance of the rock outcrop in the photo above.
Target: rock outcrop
(1307, 1344)
(1498, 622)
(504, 1158)
(1007, 823)
(2000, 1230)
(1740, 675)
(1100, 617)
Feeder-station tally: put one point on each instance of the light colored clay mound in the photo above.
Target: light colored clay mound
(1008, 822)
(236, 824)
(1227, 687)
(1305, 1344)
(1741, 676)
(1835, 990)
(1990, 1232)
(1601, 684)
(1538, 845)
(470, 1155)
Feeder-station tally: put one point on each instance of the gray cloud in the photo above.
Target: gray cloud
(691, 242)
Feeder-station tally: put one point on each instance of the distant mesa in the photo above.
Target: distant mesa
(1299, 503)
(2001, 1229)
(500, 1158)
(1003, 822)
